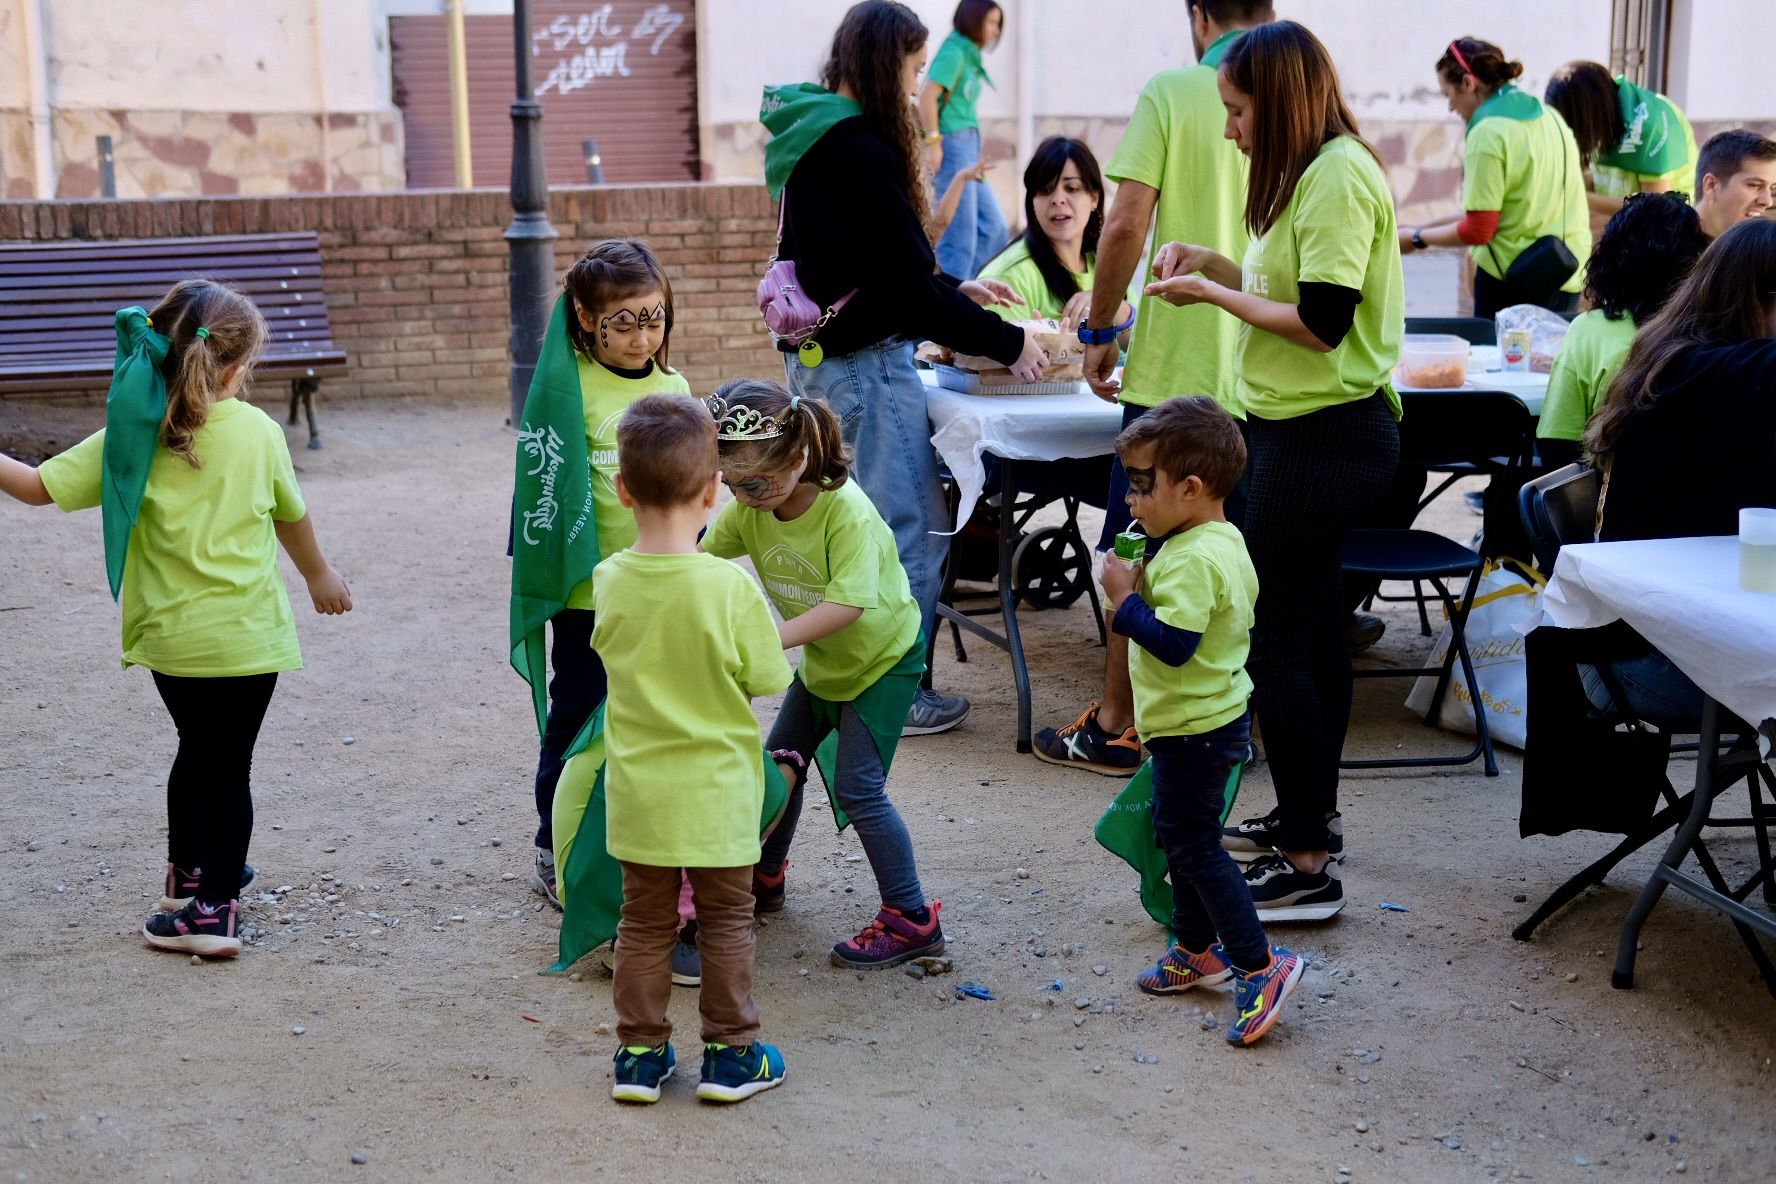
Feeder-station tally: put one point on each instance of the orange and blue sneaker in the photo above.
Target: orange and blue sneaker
(1258, 996)
(1179, 970)
(640, 1071)
(891, 938)
(733, 1073)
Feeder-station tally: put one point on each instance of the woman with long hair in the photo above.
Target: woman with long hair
(1645, 252)
(1523, 188)
(1050, 265)
(1686, 437)
(1631, 139)
(950, 127)
(845, 159)
(1321, 293)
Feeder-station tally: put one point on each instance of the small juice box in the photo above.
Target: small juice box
(1131, 548)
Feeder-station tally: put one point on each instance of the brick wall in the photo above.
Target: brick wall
(416, 281)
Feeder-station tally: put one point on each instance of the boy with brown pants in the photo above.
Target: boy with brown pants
(687, 642)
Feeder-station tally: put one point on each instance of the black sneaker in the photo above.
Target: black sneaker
(1283, 892)
(1255, 838)
(1082, 744)
(198, 928)
(641, 1071)
(1363, 631)
(181, 886)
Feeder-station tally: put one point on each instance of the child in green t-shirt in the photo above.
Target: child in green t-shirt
(619, 325)
(1189, 614)
(828, 562)
(687, 643)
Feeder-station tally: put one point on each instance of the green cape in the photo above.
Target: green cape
(797, 116)
(1126, 831)
(1218, 48)
(589, 881)
(554, 537)
(1654, 141)
(883, 709)
(135, 409)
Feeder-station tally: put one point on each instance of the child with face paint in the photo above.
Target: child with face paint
(829, 565)
(619, 324)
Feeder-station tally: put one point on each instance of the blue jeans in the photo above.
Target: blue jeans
(880, 402)
(977, 232)
(1654, 687)
(861, 792)
(1210, 898)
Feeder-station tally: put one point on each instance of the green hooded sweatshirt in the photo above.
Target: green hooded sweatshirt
(797, 116)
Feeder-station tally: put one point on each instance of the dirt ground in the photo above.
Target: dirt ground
(385, 1007)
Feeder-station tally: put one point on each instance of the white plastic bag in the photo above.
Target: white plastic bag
(1510, 594)
(1546, 331)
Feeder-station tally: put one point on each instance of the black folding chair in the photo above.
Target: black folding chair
(1474, 330)
(1560, 508)
(1424, 557)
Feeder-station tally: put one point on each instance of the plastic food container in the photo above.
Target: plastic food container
(1433, 360)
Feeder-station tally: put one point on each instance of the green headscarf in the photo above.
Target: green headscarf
(135, 408)
(797, 116)
(554, 538)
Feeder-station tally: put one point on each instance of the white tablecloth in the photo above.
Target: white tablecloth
(1017, 427)
(1484, 375)
(1683, 596)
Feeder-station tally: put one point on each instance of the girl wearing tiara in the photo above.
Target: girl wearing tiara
(828, 563)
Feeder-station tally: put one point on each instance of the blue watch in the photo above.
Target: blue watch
(1090, 336)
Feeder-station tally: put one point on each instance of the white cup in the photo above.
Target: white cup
(1757, 549)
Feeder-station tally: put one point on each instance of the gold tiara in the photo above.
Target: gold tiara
(737, 421)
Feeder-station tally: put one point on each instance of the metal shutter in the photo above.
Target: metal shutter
(623, 73)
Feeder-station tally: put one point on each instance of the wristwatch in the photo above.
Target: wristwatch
(1090, 336)
(1418, 240)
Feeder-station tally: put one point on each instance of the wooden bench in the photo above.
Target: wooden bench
(57, 301)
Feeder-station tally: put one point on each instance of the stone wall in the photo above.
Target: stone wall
(416, 281)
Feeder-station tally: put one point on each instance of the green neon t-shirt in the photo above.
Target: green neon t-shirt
(1658, 145)
(1174, 143)
(839, 550)
(1590, 354)
(605, 395)
(1338, 228)
(202, 594)
(1521, 160)
(687, 643)
(1201, 580)
(1014, 266)
(958, 68)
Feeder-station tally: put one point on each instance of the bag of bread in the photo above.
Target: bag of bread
(1065, 356)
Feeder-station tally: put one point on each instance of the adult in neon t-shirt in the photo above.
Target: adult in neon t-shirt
(949, 118)
(1177, 174)
(1050, 264)
(1735, 179)
(1645, 252)
(1322, 301)
(1522, 181)
(1631, 139)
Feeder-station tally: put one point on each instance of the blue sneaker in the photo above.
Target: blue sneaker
(1258, 997)
(641, 1071)
(733, 1074)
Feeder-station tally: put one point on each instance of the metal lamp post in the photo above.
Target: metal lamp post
(531, 258)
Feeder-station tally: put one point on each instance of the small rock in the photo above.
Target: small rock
(1453, 1143)
(328, 850)
(298, 1030)
(1100, 970)
(458, 917)
(1581, 1161)
(1083, 1002)
(1362, 1127)
(436, 862)
(1097, 1068)
(602, 1030)
(30, 846)
(462, 821)
(1520, 898)
(1515, 1006)
(1369, 1058)
(184, 1056)
(1572, 977)
(1362, 1079)
(1022, 873)
(406, 883)
(196, 961)
(507, 876)
(1209, 1023)
(359, 1156)
(495, 841)
(1681, 1166)
(914, 970)
(1078, 1021)
(350, 740)
(1498, 1144)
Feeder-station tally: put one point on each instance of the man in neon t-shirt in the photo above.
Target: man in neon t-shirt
(1177, 173)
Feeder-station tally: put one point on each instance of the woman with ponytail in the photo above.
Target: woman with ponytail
(197, 491)
(1525, 220)
(829, 565)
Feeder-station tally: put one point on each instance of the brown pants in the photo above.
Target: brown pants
(645, 935)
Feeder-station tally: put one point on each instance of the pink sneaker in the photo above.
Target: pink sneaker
(890, 939)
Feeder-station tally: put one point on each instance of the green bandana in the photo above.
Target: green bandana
(1507, 102)
(1126, 831)
(554, 540)
(1652, 142)
(589, 881)
(135, 409)
(797, 116)
(1215, 52)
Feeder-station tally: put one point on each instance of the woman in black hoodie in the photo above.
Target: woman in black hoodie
(845, 158)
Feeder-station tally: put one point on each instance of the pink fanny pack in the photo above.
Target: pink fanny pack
(790, 313)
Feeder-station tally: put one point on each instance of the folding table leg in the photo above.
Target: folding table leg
(1014, 642)
(1595, 873)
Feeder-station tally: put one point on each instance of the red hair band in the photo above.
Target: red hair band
(1461, 61)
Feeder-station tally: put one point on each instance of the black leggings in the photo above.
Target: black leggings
(575, 692)
(209, 791)
(1313, 478)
